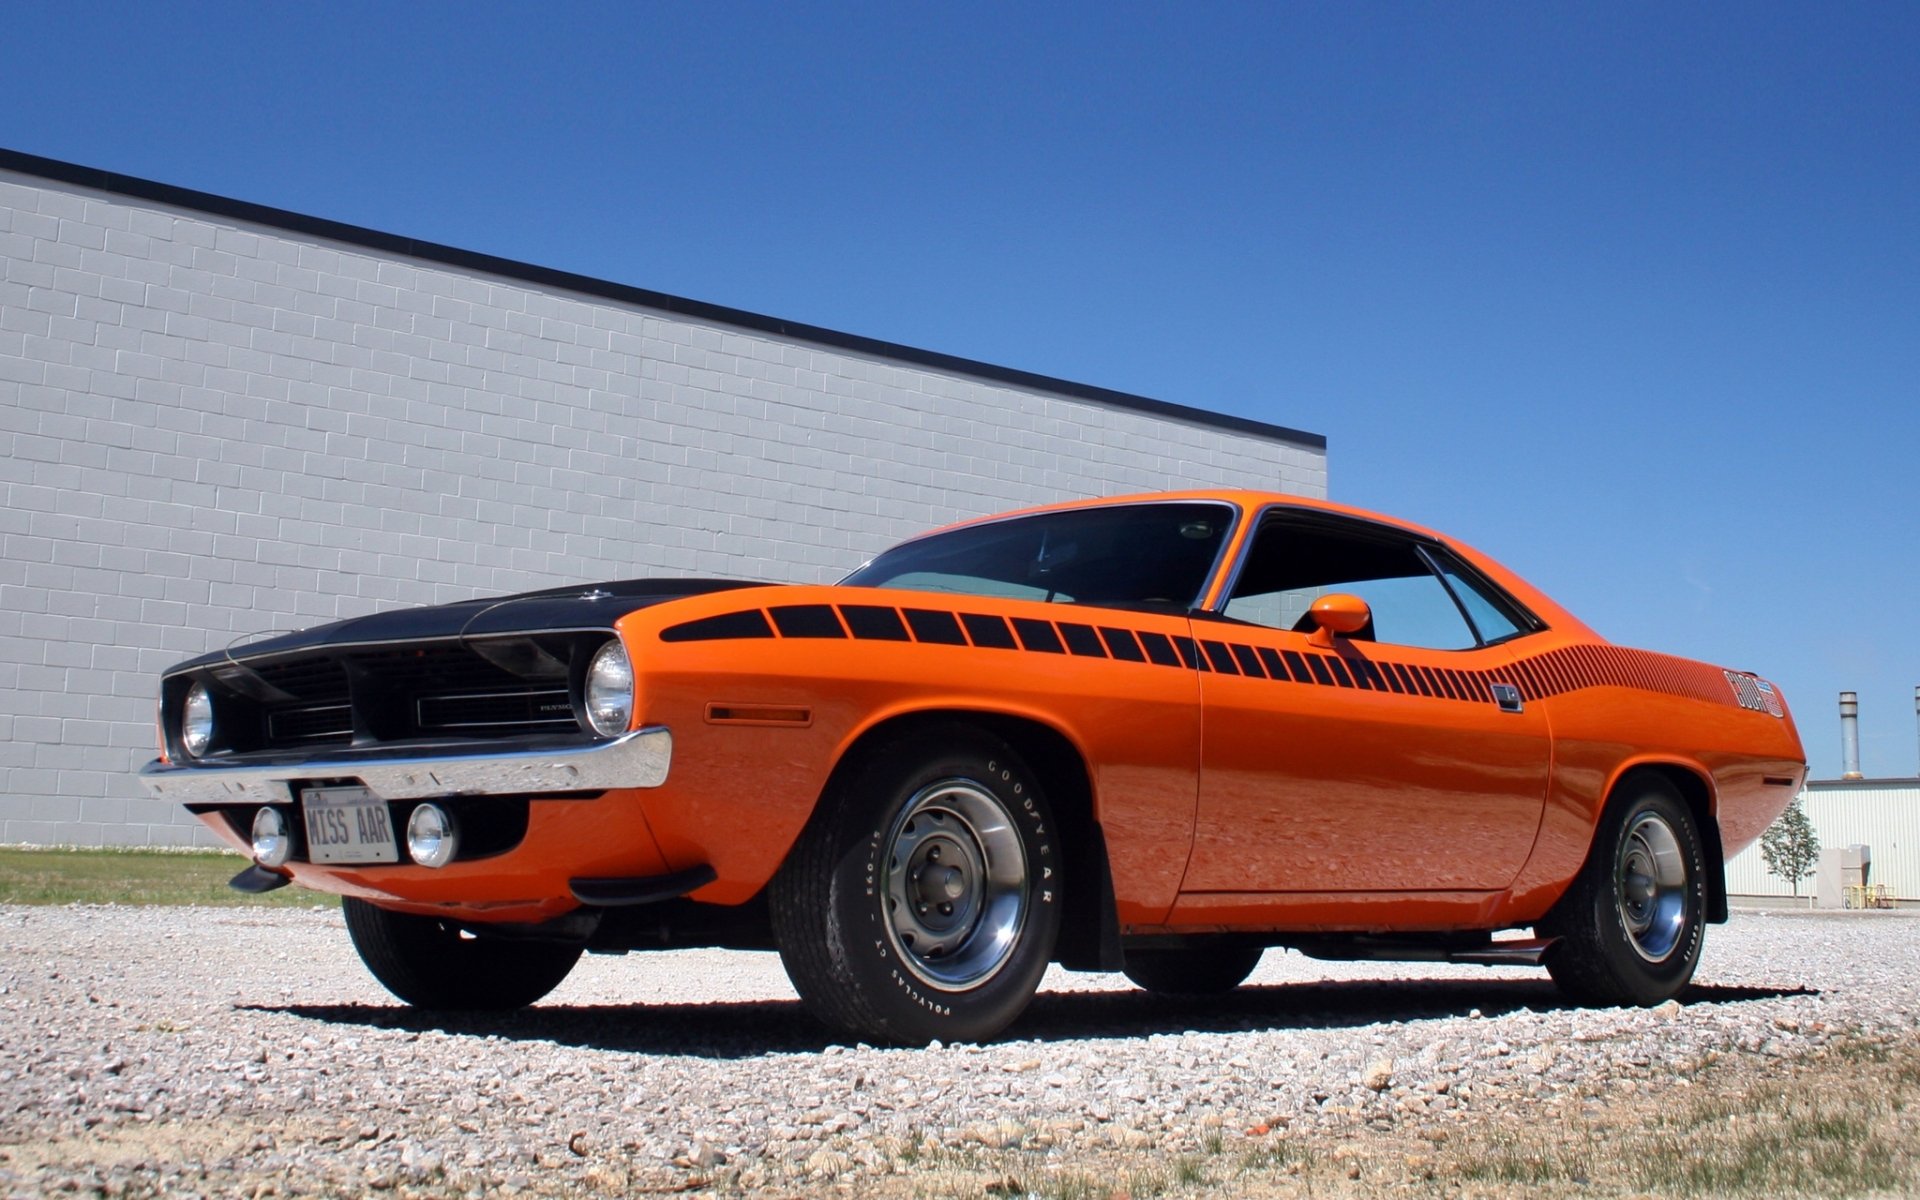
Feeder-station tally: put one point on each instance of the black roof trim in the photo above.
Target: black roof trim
(373, 239)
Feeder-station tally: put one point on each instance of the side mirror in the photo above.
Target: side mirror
(1337, 613)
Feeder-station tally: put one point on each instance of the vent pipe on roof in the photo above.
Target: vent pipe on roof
(1849, 735)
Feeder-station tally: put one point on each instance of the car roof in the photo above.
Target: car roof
(1250, 500)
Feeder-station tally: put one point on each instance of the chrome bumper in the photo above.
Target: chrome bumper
(632, 760)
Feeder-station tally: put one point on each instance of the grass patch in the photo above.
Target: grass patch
(1076, 1186)
(1839, 1121)
(941, 1172)
(1269, 1157)
(163, 877)
(1782, 1141)
(1523, 1158)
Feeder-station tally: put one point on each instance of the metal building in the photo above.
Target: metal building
(1881, 814)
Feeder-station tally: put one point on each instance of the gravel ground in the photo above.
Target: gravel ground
(224, 1052)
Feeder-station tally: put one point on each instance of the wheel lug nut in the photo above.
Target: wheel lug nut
(946, 910)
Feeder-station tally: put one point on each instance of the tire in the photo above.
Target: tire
(433, 964)
(1192, 970)
(923, 900)
(1631, 924)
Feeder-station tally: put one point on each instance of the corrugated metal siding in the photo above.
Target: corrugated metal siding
(1881, 814)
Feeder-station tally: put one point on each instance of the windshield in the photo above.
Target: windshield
(1157, 555)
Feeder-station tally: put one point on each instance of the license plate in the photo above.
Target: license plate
(348, 825)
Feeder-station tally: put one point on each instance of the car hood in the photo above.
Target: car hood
(577, 606)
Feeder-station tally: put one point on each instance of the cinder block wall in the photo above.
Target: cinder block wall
(215, 425)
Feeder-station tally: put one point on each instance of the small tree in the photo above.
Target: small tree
(1789, 846)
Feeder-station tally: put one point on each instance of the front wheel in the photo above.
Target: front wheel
(431, 963)
(923, 901)
(1631, 925)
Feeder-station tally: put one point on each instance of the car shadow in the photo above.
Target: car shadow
(750, 1029)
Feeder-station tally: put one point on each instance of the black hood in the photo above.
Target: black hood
(577, 606)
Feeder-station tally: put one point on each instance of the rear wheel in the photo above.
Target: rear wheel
(431, 963)
(1631, 925)
(923, 901)
(1192, 970)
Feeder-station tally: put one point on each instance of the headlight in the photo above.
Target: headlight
(430, 836)
(196, 721)
(271, 845)
(610, 690)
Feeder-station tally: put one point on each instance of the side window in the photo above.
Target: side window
(1292, 564)
(1493, 614)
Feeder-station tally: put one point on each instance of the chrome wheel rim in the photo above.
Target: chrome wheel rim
(954, 883)
(1650, 882)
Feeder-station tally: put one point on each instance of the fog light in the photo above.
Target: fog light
(430, 837)
(196, 721)
(272, 846)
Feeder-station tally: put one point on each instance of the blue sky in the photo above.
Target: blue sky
(1626, 295)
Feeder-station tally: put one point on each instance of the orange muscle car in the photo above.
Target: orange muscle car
(1157, 734)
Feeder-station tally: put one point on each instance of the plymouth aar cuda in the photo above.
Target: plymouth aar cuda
(1155, 734)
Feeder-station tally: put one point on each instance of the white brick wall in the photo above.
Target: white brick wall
(213, 427)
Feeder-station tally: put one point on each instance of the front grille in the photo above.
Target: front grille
(449, 668)
(494, 711)
(366, 696)
(324, 723)
(309, 679)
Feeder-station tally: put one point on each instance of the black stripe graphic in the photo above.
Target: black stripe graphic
(1038, 636)
(1553, 673)
(870, 622)
(939, 628)
(806, 621)
(988, 632)
(1082, 640)
(726, 627)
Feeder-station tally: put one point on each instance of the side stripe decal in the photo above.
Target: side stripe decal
(1358, 666)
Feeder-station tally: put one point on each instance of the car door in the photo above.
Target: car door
(1396, 758)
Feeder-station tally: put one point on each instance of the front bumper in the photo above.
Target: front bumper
(633, 760)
